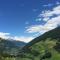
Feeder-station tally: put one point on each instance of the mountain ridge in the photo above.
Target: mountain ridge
(46, 34)
(44, 47)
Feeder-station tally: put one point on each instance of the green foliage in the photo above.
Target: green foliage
(47, 46)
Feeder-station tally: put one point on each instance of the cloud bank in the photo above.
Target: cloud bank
(17, 38)
(51, 19)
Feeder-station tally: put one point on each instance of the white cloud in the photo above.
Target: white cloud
(50, 24)
(17, 38)
(23, 38)
(4, 35)
(47, 14)
(34, 28)
(41, 28)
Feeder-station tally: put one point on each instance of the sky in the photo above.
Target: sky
(24, 20)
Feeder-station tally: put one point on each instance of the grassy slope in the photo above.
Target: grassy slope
(45, 47)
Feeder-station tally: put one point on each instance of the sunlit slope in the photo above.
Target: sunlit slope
(45, 47)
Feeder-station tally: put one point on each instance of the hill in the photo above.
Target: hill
(10, 47)
(44, 47)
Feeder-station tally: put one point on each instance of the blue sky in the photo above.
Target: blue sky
(26, 18)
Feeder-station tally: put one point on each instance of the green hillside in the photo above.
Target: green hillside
(45, 47)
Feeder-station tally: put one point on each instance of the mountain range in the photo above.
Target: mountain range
(44, 47)
(10, 47)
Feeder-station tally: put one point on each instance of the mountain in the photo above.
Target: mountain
(44, 47)
(18, 43)
(10, 47)
(11, 42)
(53, 34)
